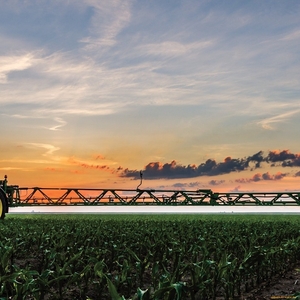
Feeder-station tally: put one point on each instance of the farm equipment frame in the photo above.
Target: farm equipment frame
(13, 196)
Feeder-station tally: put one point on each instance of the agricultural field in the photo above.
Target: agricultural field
(157, 257)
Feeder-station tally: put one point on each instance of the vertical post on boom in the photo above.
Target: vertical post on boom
(141, 177)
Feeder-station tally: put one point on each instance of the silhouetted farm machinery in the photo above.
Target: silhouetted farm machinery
(13, 196)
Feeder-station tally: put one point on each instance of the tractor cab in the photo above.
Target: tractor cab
(3, 197)
(3, 183)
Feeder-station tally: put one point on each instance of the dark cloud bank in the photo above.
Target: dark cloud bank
(173, 170)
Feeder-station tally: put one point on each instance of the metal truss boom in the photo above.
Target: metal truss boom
(84, 196)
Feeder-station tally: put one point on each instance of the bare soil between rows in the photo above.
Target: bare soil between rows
(281, 287)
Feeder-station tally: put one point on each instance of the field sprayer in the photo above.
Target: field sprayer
(13, 196)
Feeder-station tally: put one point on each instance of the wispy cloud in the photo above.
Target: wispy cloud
(50, 149)
(61, 123)
(62, 85)
(269, 123)
(11, 168)
(294, 35)
(109, 18)
(262, 176)
(173, 48)
(216, 182)
(106, 164)
(59, 84)
(13, 63)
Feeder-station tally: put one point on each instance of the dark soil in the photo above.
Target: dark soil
(286, 286)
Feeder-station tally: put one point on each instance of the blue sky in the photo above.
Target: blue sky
(92, 92)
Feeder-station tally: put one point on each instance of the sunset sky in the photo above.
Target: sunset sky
(195, 94)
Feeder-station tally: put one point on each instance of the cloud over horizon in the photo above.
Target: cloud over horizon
(173, 170)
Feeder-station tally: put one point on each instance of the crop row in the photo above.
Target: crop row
(131, 257)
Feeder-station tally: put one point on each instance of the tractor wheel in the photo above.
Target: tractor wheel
(3, 206)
